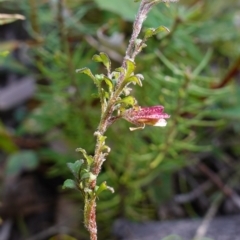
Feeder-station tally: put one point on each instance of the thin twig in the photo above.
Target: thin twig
(234, 69)
(190, 196)
(229, 192)
(202, 229)
(99, 155)
(203, 187)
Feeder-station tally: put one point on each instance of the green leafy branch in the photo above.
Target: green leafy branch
(114, 94)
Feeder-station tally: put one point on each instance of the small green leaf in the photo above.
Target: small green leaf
(88, 72)
(87, 157)
(103, 57)
(128, 101)
(153, 31)
(106, 61)
(149, 33)
(103, 186)
(109, 83)
(69, 183)
(105, 94)
(106, 149)
(99, 77)
(130, 67)
(75, 167)
(101, 139)
(97, 58)
(161, 29)
(115, 75)
(134, 79)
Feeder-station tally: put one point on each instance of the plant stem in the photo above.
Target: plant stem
(34, 17)
(99, 155)
(144, 8)
(90, 217)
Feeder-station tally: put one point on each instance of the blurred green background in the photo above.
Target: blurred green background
(193, 71)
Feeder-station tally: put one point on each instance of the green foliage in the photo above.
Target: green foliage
(126, 9)
(21, 161)
(6, 143)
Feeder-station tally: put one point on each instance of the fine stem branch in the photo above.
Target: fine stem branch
(99, 156)
(131, 51)
(87, 182)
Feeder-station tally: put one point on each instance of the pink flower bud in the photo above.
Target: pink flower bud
(146, 115)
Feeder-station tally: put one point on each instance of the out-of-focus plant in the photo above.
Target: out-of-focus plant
(8, 18)
(5, 19)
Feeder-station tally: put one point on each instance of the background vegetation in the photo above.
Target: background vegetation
(157, 174)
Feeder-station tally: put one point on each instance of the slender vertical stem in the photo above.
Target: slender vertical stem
(144, 8)
(99, 156)
(90, 217)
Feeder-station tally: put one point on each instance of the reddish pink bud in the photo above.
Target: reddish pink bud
(146, 115)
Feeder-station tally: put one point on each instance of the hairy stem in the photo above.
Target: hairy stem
(144, 8)
(99, 155)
